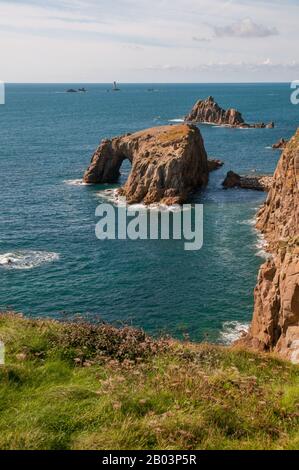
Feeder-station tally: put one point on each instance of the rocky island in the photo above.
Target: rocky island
(275, 324)
(257, 182)
(168, 163)
(209, 112)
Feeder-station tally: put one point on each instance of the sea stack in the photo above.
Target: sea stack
(207, 111)
(275, 324)
(168, 163)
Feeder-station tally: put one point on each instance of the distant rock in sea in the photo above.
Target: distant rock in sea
(214, 164)
(209, 112)
(257, 182)
(168, 163)
(281, 144)
(72, 90)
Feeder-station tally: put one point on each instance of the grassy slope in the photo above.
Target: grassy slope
(67, 386)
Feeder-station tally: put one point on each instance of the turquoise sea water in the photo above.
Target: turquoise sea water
(47, 221)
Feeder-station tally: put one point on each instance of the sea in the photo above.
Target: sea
(51, 262)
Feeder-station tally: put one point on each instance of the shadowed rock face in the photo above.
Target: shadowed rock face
(275, 324)
(208, 111)
(168, 163)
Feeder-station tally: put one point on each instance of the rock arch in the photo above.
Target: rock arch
(168, 162)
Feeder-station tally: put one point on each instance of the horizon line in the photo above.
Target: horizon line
(148, 83)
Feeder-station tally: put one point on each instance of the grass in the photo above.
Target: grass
(174, 134)
(78, 386)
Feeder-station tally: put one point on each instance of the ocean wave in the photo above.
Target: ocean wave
(263, 254)
(250, 222)
(111, 195)
(176, 120)
(77, 182)
(226, 126)
(268, 147)
(232, 331)
(26, 259)
(261, 246)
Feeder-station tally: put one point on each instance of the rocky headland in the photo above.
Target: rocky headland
(257, 182)
(168, 163)
(209, 112)
(275, 324)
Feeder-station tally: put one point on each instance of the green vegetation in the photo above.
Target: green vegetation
(78, 386)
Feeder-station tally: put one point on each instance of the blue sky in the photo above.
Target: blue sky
(142, 41)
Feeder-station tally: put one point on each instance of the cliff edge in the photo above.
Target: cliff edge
(275, 324)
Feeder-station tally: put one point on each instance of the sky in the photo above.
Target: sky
(76, 41)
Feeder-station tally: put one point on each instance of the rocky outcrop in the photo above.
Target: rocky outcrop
(214, 164)
(275, 324)
(257, 182)
(209, 112)
(168, 163)
(281, 144)
(271, 125)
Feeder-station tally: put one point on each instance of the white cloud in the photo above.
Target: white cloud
(226, 72)
(245, 28)
(200, 39)
(92, 40)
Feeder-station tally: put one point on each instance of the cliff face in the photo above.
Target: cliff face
(275, 324)
(168, 162)
(208, 111)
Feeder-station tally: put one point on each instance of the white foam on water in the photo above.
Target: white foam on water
(26, 259)
(232, 331)
(212, 124)
(268, 147)
(250, 222)
(176, 120)
(165, 208)
(111, 195)
(263, 254)
(77, 182)
(261, 246)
